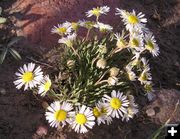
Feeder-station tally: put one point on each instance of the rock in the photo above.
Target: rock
(2, 91)
(150, 112)
(162, 108)
(41, 131)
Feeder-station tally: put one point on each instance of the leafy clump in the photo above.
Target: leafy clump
(97, 74)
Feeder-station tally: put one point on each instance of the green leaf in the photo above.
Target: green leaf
(0, 10)
(3, 54)
(15, 40)
(2, 20)
(15, 54)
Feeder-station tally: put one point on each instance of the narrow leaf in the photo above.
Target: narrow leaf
(15, 40)
(3, 55)
(15, 54)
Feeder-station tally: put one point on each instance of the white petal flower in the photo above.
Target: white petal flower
(131, 20)
(131, 75)
(58, 114)
(145, 76)
(82, 119)
(151, 44)
(116, 105)
(103, 27)
(45, 85)
(131, 111)
(68, 41)
(29, 76)
(86, 24)
(136, 42)
(98, 11)
(121, 40)
(100, 113)
(62, 29)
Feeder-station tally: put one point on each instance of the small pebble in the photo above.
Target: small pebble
(41, 131)
(150, 112)
(2, 91)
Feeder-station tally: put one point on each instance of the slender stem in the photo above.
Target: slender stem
(75, 52)
(101, 77)
(87, 35)
(103, 81)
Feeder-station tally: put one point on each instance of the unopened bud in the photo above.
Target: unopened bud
(101, 63)
(70, 63)
(112, 80)
(114, 71)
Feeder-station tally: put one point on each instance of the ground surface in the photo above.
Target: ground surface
(21, 114)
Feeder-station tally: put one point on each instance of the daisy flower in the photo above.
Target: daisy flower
(100, 113)
(101, 63)
(29, 76)
(103, 27)
(82, 119)
(86, 24)
(121, 42)
(145, 76)
(58, 114)
(148, 87)
(98, 11)
(45, 85)
(116, 105)
(151, 44)
(68, 41)
(136, 42)
(130, 73)
(131, 111)
(62, 29)
(145, 62)
(131, 20)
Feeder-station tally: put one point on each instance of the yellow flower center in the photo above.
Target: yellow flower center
(62, 30)
(135, 42)
(27, 76)
(115, 103)
(132, 19)
(96, 112)
(47, 86)
(60, 115)
(103, 110)
(143, 77)
(149, 45)
(81, 119)
(96, 11)
(89, 24)
(121, 43)
(74, 25)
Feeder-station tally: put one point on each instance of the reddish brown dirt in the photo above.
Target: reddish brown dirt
(21, 114)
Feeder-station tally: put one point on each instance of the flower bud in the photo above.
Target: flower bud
(101, 63)
(114, 71)
(70, 63)
(112, 80)
(103, 49)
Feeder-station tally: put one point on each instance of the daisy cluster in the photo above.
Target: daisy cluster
(98, 72)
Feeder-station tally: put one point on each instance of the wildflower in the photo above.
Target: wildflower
(98, 11)
(145, 76)
(121, 42)
(148, 87)
(131, 111)
(101, 63)
(130, 73)
(45, 85)
(136, 42)
(131, 20)
(62, 29)
(103, 27)
(114, 71)
(58, 114)
(29, 76)
(87, 24)
(82, 119)
(100, 113)
(116, 105)
(112, 80)
(68, 41)
(151, 44)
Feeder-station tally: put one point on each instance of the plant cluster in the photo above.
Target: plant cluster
(96, 73)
